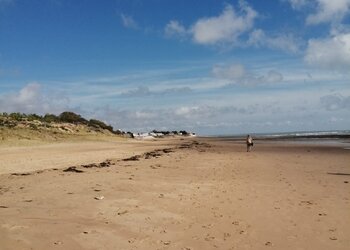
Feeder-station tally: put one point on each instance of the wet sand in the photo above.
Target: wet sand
(195, 194)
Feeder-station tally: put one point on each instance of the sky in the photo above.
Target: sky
(211, 67)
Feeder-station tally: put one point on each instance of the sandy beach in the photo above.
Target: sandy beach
(174, 194)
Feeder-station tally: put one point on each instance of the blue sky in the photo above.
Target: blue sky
(210, 66)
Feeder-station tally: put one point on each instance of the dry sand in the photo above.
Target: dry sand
(63, 154)
(204, 195)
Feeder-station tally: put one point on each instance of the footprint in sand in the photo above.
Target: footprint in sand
(123, 212)
(306, 203)
(209, 238)
(268, 243)
(227, 235)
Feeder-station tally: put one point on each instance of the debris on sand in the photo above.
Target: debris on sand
(73, 169)
(99, 198)
(184, 146)
(104, 164)
(159, 152)
(152, 154)
(21, 174)
(133, 158)
(92, 165)
(168, 150)
(148, 155)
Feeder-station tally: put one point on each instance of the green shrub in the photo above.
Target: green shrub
(32, 117)
(51, 118)
(99, 124)
(72, 117)
(17, 116)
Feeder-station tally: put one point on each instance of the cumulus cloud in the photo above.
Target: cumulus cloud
(329, 11)
(238, 75)
(225, 28)
(330, 53)
(335, 102)
(143, 91)
(228, 29)
(325, 11)
(31, 99)
(128, 21)
(285, 42)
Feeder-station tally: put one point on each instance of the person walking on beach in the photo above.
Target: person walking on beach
(249, 142)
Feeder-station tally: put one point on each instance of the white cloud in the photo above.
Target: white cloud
(324, 11)
(285, 42)
(329, 11)
(238, 75)
(175, 118)
(175, 28)
(128, 21)
(298, 4)
(225, 110)
(31, 99)
(226, 27)
(249, 112)
(330, 53)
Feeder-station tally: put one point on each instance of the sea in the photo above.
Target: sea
(339, 138)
